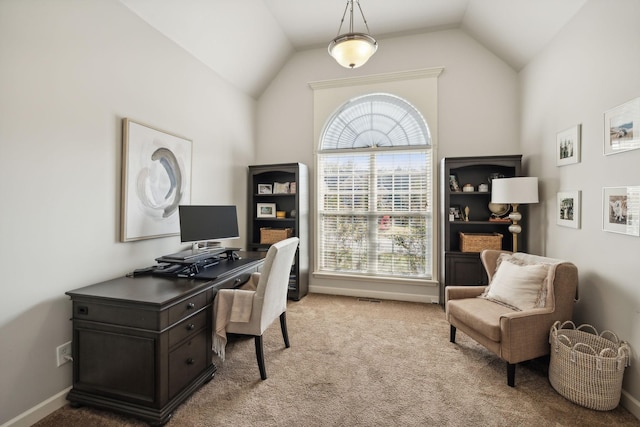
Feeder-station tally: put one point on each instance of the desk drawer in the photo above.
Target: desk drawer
(187, 361)
(187, 307)
(187, 327)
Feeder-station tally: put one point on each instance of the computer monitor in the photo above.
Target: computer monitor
(207, 223)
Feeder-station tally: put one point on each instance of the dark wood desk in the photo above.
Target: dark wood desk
(142, 345)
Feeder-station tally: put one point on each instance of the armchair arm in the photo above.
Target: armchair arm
(461, 292)
(525, 334)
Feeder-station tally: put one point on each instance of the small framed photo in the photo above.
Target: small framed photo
(568, 146)
(265, 189)
(453, 182)
(568, 209)
(266, 210)
(622, 128)
(280, 187)
(292, 188)
(454, 211)
(621, 210)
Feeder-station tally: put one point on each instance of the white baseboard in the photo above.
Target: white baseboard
(38, 412)
(428, 299)
(630, 403)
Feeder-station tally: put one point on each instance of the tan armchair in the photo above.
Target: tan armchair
(513, 335)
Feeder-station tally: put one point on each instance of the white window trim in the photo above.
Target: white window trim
(418, 87)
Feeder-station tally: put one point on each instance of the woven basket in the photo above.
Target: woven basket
(274, 235)
(477, 242)
(587, 368)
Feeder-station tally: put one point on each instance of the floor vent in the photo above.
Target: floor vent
(369, 300)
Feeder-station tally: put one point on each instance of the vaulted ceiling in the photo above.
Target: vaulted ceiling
(248, 41)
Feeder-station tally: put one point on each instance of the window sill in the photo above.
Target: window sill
(375, 279)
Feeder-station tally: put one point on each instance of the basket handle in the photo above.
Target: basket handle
(587, 326)
(611, 334)
(574, 350)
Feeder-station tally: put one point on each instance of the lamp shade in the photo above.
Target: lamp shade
(352, 50)
(516, 190)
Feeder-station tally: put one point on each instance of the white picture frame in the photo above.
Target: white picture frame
(568, 208)
(280, 188)
(156, 179)
(568, 144)
(622, 128)
(265, 210)
(621, 210)
(265, 189)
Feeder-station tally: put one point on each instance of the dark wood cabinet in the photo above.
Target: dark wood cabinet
(141, 346)
(287, 187)
(465, 268)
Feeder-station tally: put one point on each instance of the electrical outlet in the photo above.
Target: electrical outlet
(63, 353)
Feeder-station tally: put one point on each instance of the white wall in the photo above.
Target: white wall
(70, 70)
(591, 67)
(477, 112)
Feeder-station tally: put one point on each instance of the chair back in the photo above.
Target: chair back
(271, 293)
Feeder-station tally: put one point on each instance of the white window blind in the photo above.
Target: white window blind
(374, 190)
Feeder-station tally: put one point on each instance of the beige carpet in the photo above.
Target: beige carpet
(365, 363)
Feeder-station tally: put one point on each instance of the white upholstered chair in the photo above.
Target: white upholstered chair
(253, 308)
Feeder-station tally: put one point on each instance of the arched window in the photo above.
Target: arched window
(374, 189)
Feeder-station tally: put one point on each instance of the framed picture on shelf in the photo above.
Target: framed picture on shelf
(453, 182)
(265, 189)
(292, 188)
(568, 146)
(622, 128)
(266, 210)
(454, 212)
(568, 209)
(280, 187)
(156, 179)
(621, 210)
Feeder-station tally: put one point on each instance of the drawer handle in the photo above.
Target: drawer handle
(190, 361)
(190, 306)
(191, 327)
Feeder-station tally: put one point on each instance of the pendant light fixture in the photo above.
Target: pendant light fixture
(352, 50)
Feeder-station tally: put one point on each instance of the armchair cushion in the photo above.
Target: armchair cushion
(518, 286)
(480, 314)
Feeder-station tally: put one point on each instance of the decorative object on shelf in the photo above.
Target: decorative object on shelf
(281, 214)
(477, 242)
(621, 210)
(352, 49)
(498, 211)
(622, 128)
(468, 188)
(266, 210)
(265, 189)
(568, 209)
(156, 179)
(293, 213)
(515, 191)
(483, 188)
(455, 211)
(292, 188)
(272, 235)
(280, 187)
(466, 213)
(453, 182)
(568, 146)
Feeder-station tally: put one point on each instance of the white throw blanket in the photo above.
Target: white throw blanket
(234, 306)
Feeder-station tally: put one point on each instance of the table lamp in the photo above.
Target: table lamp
(515, 191)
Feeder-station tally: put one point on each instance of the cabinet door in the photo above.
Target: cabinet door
(465, 270)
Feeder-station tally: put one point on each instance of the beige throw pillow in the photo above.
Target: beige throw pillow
(518, 286)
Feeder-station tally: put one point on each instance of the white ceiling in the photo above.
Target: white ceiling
(247, 41)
